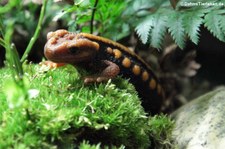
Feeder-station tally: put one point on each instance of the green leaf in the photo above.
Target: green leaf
(158, 30)
(192, 21)
(222, 24)
(144, 28)
(176, 28)
(213, 22)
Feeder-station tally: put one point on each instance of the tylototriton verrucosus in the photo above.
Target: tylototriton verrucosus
(110, 58)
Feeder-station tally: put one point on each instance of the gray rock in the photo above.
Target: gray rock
(200, 124)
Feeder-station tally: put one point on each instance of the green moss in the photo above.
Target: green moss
(61, 112)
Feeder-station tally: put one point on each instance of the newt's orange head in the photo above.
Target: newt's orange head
(65, 47)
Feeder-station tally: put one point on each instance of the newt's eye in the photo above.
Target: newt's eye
(74, 50)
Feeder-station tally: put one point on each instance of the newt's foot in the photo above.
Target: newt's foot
(51, 64)
(95, 79)
(109, 72)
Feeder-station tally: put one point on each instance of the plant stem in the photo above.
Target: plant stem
(37, 32)
(93, 16)
(1, 27)
(12, 56)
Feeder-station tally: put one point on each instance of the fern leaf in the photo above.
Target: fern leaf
(158, 30)
(222, 24)
(222, 20)
(176, 28)
(192, 22)
(212, 23)
(144, 28)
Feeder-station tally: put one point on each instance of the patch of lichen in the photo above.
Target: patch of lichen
(59, 111)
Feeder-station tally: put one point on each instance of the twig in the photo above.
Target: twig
(93, 16)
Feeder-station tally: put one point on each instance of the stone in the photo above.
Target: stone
(200, 124)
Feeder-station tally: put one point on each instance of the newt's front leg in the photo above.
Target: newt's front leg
(109, 72)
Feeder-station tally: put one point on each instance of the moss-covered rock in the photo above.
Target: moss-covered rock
(56, 110)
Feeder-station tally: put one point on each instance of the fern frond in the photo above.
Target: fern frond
(192, 21)
(181, 24)
(222, 21)
(144, 28)
(158, 30)
(176, 28)
(222, 24)
(213, 22)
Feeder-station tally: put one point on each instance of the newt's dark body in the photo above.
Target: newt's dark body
(84, 49)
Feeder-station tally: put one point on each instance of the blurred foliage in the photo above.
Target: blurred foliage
(117, 19)
(36, 33)
(109, 20)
